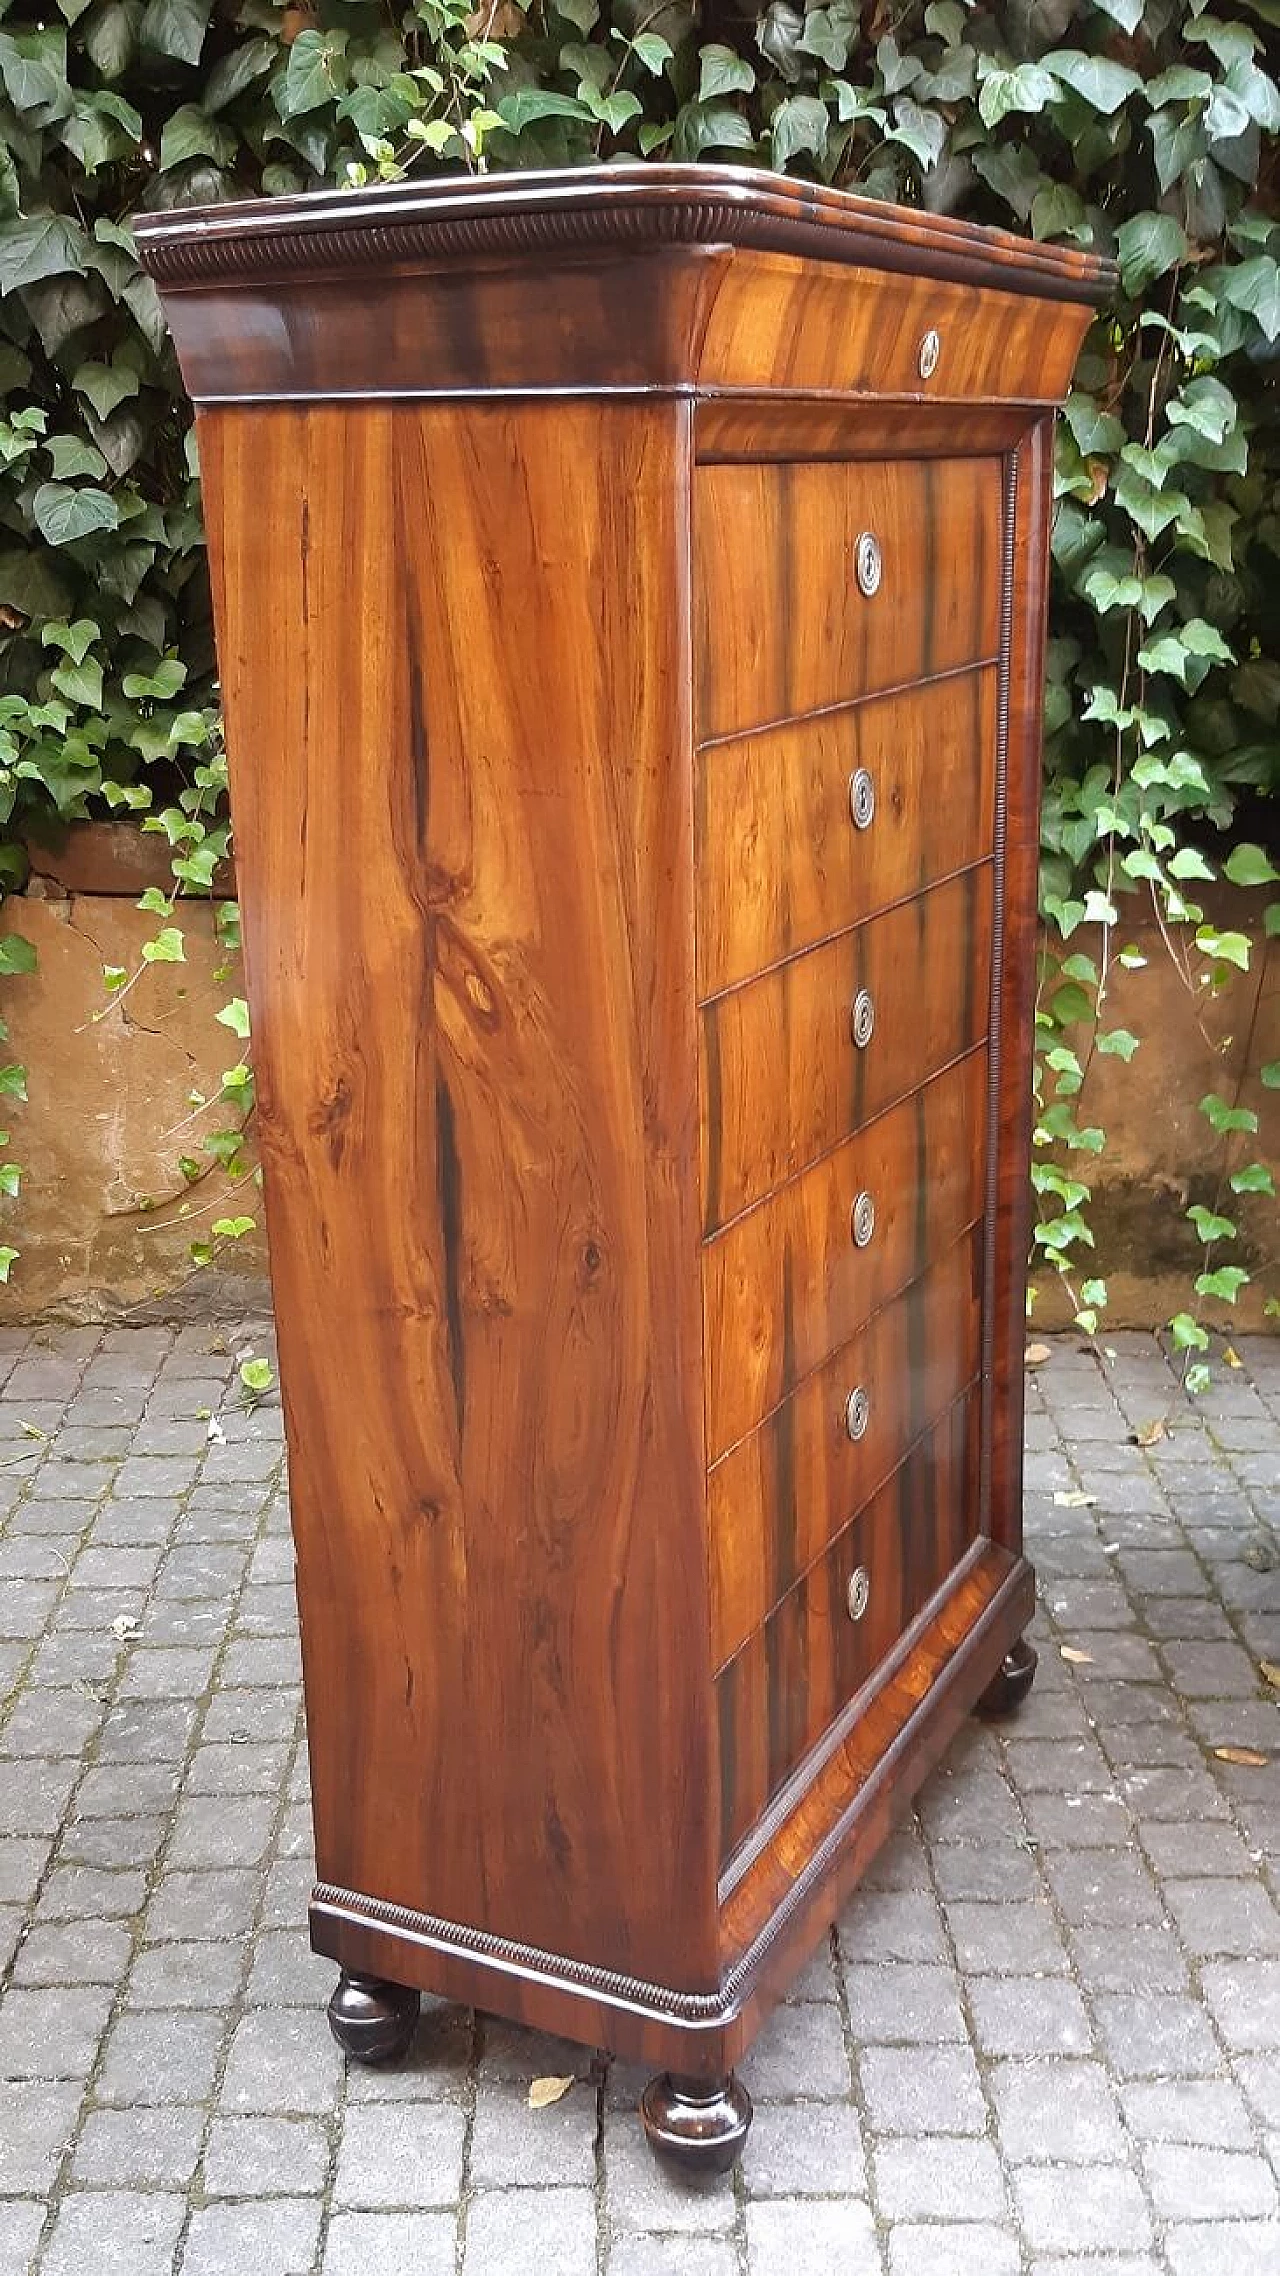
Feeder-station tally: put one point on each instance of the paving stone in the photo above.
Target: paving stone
(672, 2256)
(513, 2146)
(639, 2194)
(1021, 1939)
(1156, 2036)
(281, 2060)
(391, 2244)
(501, 2223)
(1086, 2208)
(804, 2149)
(928, 2250)
(953, 2180)
(203, 1904)
(146, 2149)
(21, 2220)
(195, 1975)
(906, 2094)
(115, 2232)
(1221, 1917)
(814, 2238)
(52, 2033)
(904, 2004)
(1190, 2183)
(265, 2157)
(161, 2059)
(1028, 2015)
(1244, 1998)
(894, 1924)
(38, 2116)
(271, 2236)
(1259, 2075)
(80, 1952)
(1056, 2113)
(22, 1862)
(1224, 2248)
(1133, 1959)
(800, 2052)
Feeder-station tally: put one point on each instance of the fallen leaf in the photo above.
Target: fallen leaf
(1077, 1659)
(1151, 1433)
(1249, 1756)
(547, 2090)
(1270, 1673)
(1231, 1357)
(1074, 1499)
(126, 1627)
(1036, 1354)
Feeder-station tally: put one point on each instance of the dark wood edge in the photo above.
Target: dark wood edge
(577, 210)
(732, 429)
(649, 2022)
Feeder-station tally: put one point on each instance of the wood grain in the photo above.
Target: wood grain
(781, 625)
(780, 863)
(780, 1496)
(788, 1683)
(473, 1028)
(783, 1080)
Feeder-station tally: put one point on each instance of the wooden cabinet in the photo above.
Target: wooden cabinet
(630, 598)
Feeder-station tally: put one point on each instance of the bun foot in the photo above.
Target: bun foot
(1007, 1690)
(372, 2019)
(694, 2127)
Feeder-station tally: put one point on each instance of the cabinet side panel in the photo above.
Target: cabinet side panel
(455, 650)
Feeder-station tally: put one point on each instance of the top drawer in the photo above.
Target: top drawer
(784, 622)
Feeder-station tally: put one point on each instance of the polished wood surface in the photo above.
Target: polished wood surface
(783, 1080)
(779, 1497)
(781, 863)
(473, 1030)
(788, 1682)
(535, 507)
(782, 627)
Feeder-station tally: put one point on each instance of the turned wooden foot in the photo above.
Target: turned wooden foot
(372, 2019)
(695, 2127)
(1007, 1690)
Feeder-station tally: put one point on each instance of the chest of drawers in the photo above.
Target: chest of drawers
(630, 592)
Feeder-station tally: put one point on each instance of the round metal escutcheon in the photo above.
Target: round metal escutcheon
(930, 350)
(857, 1413)
(862, 1018)
(858, 1594)
(863, 1220)
(867, 563)
(862, 798)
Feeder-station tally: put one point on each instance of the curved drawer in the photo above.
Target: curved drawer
(783, 1079)
(783, 625)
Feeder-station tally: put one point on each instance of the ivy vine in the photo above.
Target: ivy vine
(1148, 131)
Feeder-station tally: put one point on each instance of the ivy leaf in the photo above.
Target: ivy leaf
(1255, 1177)
(1099, 82)
(1147, 247)
(80, 683)
(710, 126)
(191, 133)
(63, 514)
(47, 245)
(176, 28)
(16, 954)
(724, 72)
(105, 385)
(235, 1015)
(1255, 287)
(1026, 88)
(1226, 1283)
(74, 640)
(800, 123)
(1118, 1043)
(1249, 865)
(1151, 509)
(528, 106)
(1127, 13)
(166, 948)
(652, 51)
(315, 73)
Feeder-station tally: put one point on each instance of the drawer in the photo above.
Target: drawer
(805, 829)
(783, 1079)
(777, 1500)
(786, 1686)
(788, 1283)
(782, 623)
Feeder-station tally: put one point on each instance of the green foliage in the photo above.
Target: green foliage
(1148, 131)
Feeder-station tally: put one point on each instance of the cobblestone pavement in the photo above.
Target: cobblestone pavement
(1045, 2037)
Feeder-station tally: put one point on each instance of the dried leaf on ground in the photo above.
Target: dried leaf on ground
(1270, 1673)
(544, 2091)
(126, 1627)
(1036, 1354)
(1231, 1357)
(1251, 1757)
(1151, 1433)
(1077, 1659)
(1072, 1498)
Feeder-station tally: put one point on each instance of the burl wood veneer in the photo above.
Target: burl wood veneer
(630, 596)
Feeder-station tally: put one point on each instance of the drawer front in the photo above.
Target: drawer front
(813, 826)
(783, 1079)
(781, 1496)
(790, 1681)
(790, 1282)
(783, 625)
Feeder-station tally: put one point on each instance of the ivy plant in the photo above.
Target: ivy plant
(1147, 131)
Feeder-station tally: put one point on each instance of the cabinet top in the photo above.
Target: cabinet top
(593, 209)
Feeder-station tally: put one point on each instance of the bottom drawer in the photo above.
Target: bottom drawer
(788, 1683)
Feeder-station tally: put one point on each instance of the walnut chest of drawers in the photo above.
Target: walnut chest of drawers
(630, 593)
